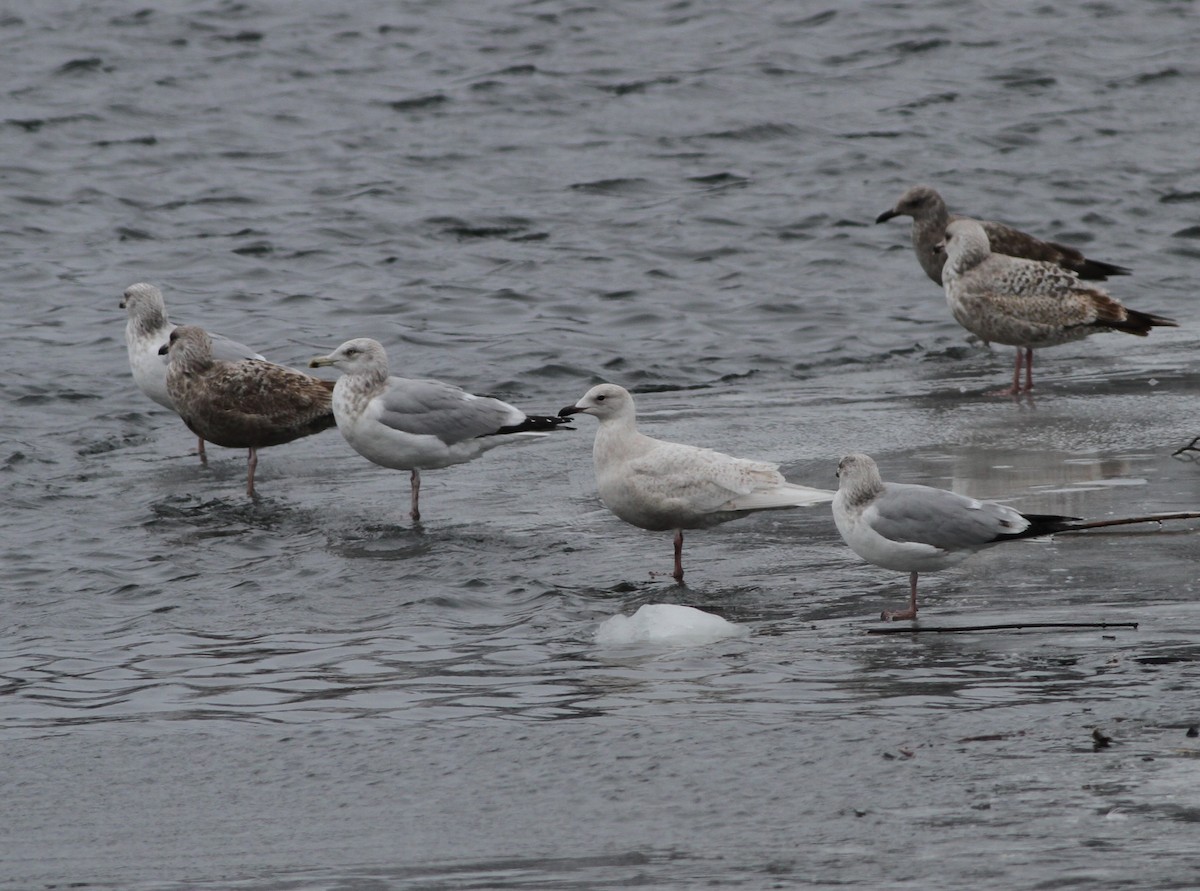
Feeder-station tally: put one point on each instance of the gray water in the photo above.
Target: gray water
(306, 692)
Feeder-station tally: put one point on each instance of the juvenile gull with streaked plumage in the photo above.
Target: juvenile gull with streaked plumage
(415, 425)
(146, 333)
(660, 485)
(248, 404)
(1027, 304)
(931, 217)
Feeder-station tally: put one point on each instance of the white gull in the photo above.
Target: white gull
(660, 485)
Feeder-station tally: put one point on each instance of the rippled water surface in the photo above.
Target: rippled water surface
(308, 692)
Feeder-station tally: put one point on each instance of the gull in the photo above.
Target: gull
(930, 219)
(660, 485)
(1028, 304)
(146, 332)
(915, 529)
(249, 403)
(411, 424)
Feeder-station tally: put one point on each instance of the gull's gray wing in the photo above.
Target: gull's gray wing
(910, 513)
(230, 350)
(435, 408)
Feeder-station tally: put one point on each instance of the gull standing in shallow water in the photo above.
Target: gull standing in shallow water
(250, 404)
(146, 333)
(1026, 303)
(918, 529)
(416, 425)
(659, 485)
(930, 219)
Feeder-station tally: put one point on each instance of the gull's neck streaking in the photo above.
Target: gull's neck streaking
(859, 481)
(929, 224)
(967, 246)
(354, 390)
(149, 317)
(191, 351)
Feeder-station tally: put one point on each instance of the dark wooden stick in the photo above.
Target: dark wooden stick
(1190, 447)
(1126, 521)
(1004, 626)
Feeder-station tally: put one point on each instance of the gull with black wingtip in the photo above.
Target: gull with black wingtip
(930, 217)
(413, 424)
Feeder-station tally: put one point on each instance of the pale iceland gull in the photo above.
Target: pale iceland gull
(660, 485)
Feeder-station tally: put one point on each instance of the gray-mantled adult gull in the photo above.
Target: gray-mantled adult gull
(930, 218)
(660, 485)
(248, 404)
(917, 529)
(1027, 304)
(415, 425)
(147, 331)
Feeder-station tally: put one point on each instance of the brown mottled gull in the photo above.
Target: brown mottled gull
(415, 425)
(146, 332)
(930, 219)
(249, 404)
(1026, 303)
(660, 485)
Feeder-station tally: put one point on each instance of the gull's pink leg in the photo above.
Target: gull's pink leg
(253, 463)
(1028, 370)
(415, 513)
(679, 556)
(200, 450)
(1016, 384)
(911, 612)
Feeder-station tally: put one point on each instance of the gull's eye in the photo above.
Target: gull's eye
(600, 398)
(353, 351)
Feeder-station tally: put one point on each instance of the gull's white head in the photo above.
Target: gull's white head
(359, 356)
(858, 476)
(605, 401)
(142, 295)
(966, 244)
(145, 306)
